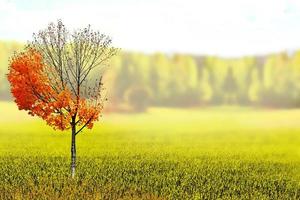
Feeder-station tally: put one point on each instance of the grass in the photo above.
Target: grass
(212, 153)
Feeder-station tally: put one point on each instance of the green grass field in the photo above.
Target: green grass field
(212, 153)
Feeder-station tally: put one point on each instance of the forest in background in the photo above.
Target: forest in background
(136, 81)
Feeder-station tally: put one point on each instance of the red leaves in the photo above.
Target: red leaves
(34, 93)
(27, 80)
(88, 113)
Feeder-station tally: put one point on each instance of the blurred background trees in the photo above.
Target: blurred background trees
(137, 80)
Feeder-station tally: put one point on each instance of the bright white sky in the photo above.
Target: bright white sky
(215, 27)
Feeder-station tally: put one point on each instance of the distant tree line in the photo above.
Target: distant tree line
(140, 80)
(185, 80)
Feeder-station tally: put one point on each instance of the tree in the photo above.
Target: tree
(230, 86)
(52, 78)
(138, 97)
(205, 88)
(6, 50)
(254, 92)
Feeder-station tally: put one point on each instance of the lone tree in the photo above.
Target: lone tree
(58, 77)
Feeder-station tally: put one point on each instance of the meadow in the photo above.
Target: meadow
(209, 153)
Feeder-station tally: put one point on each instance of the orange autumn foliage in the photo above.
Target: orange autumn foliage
(34, 93)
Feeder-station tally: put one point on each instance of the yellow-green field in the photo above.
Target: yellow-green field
(212, 153)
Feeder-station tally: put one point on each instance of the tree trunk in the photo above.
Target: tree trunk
(73, 149)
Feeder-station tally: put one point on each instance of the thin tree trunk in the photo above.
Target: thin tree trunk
(73, 149)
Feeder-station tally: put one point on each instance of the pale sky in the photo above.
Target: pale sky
(214, 27)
